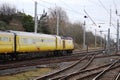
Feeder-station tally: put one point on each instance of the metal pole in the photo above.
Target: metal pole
(84, 36)
(95, 38)
(117, 35)
(108, 42)
(101, 38)
(104, 41)
(57, 23)
(36, 24)
(110, 16)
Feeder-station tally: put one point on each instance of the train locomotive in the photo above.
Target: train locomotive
(15, 43)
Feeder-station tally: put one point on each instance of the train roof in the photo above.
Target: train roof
(6, 33)
(67, 38)
(20, 33)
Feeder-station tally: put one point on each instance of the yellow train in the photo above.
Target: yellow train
(13, 43)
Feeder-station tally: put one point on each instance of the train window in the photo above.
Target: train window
(4, 39)
(42, 40)
(24, 40)
(0, 39)
(28, 41)
(36, 40)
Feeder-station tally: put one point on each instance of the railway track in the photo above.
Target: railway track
(35, 62)
(57, 75)
(96, 73)
(80, 75)
(118, 76)
(15, 64)
(20, 66)
(115, 66)
(84, 74)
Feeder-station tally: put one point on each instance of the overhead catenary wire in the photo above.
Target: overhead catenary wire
(114, 4)
(70, 10)
(84, 11)
(90, 18)
(52, 9)
(106, 11)
(94, 3)
(70, 7)
(101, 4)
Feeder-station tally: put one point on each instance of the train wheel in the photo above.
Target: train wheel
(64, 53)
(14, 57)
(69, 52)
(56, 53)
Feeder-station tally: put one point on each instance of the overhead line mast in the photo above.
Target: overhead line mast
(35, 18)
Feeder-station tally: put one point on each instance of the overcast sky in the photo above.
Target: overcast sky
(99, 11)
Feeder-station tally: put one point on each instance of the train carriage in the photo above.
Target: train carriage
(6, 42)
(31, 42)
(15, 43)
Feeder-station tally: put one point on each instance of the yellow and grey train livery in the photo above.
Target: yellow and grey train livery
(14, 43)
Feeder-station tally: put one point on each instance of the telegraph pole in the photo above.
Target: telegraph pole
(57, 13)
(84, 36)
(101, 38)
(110, 17)
(35, 18)
(108, 42)
(117, 31)
(104, 41)
(95, 38)
(117, 35)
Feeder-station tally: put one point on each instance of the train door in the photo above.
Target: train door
(63, 44)
(56, 43)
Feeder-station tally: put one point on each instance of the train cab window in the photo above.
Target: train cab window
(4, 39)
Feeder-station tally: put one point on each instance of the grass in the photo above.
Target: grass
(29, 75)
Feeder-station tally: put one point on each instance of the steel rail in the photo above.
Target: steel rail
(57, 72)
(100, 74)
(84, 67)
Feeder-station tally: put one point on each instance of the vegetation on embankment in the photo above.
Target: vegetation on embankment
(13, 19)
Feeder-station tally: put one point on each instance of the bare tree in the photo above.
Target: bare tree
(7, 12)
(63, 20)
(7, 9)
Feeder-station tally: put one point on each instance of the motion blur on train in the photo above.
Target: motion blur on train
(17, 44)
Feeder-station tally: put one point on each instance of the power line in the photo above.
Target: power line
(103, 6)
(46, 2)
(70, 10)
(94, 3)
(106, 11)
(71, 7)
(52, 9)
(90, 18)
(114, 4)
